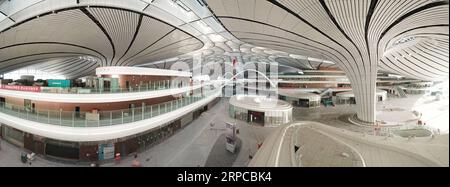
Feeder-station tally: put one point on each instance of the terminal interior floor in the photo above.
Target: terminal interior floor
(201, 143)
(189, 147)
(434, 113)
(322, 145)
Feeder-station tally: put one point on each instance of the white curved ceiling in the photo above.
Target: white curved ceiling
(360, 36)
(354, 34)
(109, 36)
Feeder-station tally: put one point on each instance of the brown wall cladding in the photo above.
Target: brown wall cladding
(126, 147)
(88, 152)
(308, 85)
(87, 107)
(135, 80)
(34, 143)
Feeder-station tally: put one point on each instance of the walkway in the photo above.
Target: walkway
(323, 145)
(189, 147)
(434, 113)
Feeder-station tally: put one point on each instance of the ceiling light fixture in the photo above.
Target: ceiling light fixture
(216, 38)
(201, 2)
(182, 5)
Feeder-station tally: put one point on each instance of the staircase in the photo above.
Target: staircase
(400, 92)
(326, 92)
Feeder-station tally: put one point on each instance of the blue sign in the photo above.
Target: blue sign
(105, 151)
(58, 83)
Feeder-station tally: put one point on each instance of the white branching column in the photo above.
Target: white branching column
(353, 34)
(364, 87)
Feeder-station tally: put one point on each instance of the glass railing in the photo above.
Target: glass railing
(404, 126)
(152, 86)
(316, 79)
(102, 118)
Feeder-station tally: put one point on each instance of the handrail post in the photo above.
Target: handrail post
(98, 121)
(60, 117)
(151, 111)
(122, 115)
(143, 110)
(73, 119)
(110, 117)
(48, 116)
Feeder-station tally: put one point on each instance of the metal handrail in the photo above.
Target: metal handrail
(153, 86)
(102, 118)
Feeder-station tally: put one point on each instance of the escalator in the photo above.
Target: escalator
(400, 92)
(326, 91)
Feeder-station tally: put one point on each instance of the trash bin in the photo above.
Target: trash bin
(23, 157)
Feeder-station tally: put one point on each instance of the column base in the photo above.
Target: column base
(355, 120)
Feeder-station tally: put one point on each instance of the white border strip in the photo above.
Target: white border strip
(95, 98)
(83, 134)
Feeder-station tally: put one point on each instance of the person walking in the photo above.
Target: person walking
(136, 162)
(117, 158)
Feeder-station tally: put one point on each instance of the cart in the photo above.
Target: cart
(23, 157)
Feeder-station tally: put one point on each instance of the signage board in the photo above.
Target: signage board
(230, 129)
(230, 132)
(105, 151)
(21, 88)
(59, 83)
